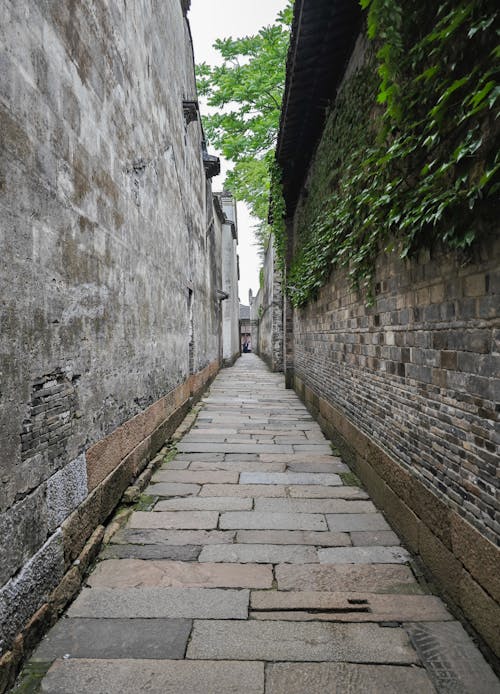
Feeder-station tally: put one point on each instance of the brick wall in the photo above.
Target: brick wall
(419, 371)
(409, 391)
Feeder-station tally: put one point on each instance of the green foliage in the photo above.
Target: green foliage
(408, 157)
(247, 88)
(277, 215)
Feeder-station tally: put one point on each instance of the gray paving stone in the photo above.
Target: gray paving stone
(202, 603)
(315, 491)
(347, 522)
(243, 490)
(234, 448)
(366, 538)
(153, 536)
(207, 428)
(153, 676)
(203, 437)
(173, 552)
(253, 520)
(201, 457)
(205, 503)
(196, 476)
(115, 638)
(292, 641)
(345, 678)
(265, 554)
(314, 506)
(176, 465)
(136, 573)
(311, 447)
(265, 431)
(240, 466)
(170, 520)
(376, 578)
(171, 489)
(333, 467)
(453, 662)
(289, 478)
(241, 457)
(363, 555)
(294, 537)
(346, 606)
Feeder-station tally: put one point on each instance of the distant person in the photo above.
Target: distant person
(246, 345)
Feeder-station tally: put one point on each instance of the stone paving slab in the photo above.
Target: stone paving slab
(253, 520)
(197, 429)
(293, 641)
(368, 538)
(333, 467)
(363, 555)
(205, 503)
(153, 603)
(243, 490)
(376, 578)
(451, 658)
(145, 536)
(314, 506)
(264, 553)
(153, 676)
(170, 520)
(346, 606)
(294, 537)
(348, 522)
(151, 551)
(115, 638)
(234, 448)
(171, 489)
(316, 491)
(201, 457)
(346, 678)
(241, 458)
(177, 464)
(311, 447)
(135, 573)
(289, 478)
(196, 477)
(240, 466)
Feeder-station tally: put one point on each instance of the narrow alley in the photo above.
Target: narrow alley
(255, 563)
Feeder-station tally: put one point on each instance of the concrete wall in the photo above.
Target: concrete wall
(408, 389)
(268, 310)
(108, 271)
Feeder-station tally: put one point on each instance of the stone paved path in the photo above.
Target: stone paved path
(257, 569)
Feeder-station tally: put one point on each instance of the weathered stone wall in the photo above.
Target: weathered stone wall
(269, 310)
(108, 271)
(230, 305)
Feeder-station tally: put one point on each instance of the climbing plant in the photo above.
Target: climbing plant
(408, 156)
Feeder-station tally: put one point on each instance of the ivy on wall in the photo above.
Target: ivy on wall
(408, 156)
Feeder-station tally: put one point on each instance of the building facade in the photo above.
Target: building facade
(266, 312)
(225, 206)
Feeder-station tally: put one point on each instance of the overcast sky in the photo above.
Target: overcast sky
(210, 20)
